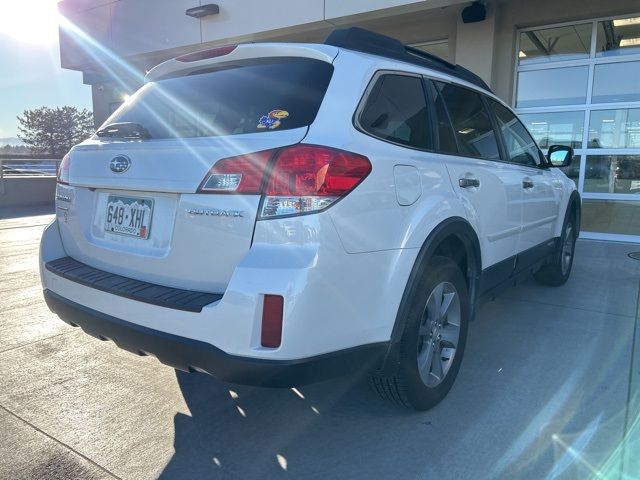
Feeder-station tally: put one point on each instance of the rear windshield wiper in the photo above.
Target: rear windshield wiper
(124, 130)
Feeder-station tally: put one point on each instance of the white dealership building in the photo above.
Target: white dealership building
(570, 68)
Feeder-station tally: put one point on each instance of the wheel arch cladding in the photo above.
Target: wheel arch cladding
(444, 238)
(575, 206)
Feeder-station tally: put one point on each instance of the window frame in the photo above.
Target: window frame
(365, 97)
(547, 27)
(496, 132)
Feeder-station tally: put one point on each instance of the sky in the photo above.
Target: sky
(30, 72)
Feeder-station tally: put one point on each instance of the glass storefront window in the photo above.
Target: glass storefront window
(576, 90)
(616, 82)
(557, 128)
(555, 44)
(615, 128)
(612, 174)
(573, 170)
(557, 86)
(611, 216)
(618, 37)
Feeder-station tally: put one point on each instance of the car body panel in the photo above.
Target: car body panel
(195, 239)
(292, 257)
(341, 272)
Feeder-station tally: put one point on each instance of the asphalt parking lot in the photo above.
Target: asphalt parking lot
(549, 388)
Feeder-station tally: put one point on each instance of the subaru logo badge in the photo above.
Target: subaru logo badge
(120, 164)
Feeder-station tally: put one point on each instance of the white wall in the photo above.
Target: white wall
(131, 28)
(248, 17)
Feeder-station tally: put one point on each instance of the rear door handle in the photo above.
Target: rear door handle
(468, 182)
(527, 183)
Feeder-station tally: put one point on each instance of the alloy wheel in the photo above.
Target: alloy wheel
(438, 334)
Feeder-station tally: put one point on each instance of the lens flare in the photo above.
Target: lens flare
(29, 21)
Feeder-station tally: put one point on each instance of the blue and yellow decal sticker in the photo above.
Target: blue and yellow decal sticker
(272, 119)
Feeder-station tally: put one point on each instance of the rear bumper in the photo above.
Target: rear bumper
(194, 355)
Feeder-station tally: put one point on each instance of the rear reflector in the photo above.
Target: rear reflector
(272, 310)
(205, 54)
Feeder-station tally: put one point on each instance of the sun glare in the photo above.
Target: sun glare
(29, 21)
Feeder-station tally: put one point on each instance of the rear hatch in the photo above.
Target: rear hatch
(136, 207)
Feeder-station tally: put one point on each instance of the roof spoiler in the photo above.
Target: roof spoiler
(366, 41)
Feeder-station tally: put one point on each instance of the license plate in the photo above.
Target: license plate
(128, 216)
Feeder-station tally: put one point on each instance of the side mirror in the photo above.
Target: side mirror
(560, 155)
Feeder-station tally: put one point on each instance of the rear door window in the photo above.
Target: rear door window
(471, 122)
(521, 147)
(249, 96)
(396, 111)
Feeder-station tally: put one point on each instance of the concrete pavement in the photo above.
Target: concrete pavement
(549, 388)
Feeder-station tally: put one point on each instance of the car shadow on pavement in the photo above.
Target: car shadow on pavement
(251, 432)
(528, 403)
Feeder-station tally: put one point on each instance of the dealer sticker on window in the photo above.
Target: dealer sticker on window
(129, 216)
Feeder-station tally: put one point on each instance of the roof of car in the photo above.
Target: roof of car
(366, 41)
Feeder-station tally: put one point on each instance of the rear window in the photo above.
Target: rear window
(396, 110)
(245, 97)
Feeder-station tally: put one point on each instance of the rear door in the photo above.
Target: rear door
(490, 190)
(541, 195)
(137, 207)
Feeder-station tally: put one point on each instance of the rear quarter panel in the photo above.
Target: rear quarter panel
(370, 218)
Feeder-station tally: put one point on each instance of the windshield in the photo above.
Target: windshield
(251, 96)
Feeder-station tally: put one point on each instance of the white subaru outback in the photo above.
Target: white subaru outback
(275, 214)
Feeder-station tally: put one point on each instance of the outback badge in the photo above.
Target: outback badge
(215, 212)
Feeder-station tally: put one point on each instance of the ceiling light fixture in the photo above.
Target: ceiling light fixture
(630, 42)
(621, 22)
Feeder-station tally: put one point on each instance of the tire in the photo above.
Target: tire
(441, 283)
(557, 272)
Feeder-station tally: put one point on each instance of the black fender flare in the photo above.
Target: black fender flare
(575, 202)
(454, 226)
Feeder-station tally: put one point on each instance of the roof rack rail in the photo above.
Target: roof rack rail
(366, 41)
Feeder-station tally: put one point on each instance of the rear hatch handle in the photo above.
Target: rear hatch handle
(124, 130)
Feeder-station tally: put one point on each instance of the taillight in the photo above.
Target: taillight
(309, 178)
(299, 179)
(63, 170)
(241, 174)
